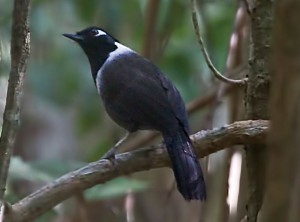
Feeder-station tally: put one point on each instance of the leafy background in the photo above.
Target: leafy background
(63, 122)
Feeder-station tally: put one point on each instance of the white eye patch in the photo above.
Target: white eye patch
(97, 32)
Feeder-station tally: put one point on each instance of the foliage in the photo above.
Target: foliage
(46, 171)
(59, 85)
(116, 187)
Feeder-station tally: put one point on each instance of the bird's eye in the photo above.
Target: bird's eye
(96, 32)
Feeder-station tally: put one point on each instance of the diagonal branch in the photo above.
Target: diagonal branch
(208, 61)
(19, 55)
(206, 142)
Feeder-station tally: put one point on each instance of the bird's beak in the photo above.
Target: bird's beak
(74, 37)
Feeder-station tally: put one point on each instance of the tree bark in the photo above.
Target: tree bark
(257, 98)
(19, 55)
(282, 182)
(205, 142)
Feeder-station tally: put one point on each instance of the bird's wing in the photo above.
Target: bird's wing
(144, 87)
(173, 96)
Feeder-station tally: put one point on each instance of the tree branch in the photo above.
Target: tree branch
(206, 142)
(19, 55)
(208, 61)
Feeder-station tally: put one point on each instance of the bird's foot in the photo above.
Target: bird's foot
(110, 155)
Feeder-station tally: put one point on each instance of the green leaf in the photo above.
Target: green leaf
(41, 170)
(57, 168)
(114, 188)
(23, 170)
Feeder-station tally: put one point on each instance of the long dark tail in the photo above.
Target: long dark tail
(186, 167)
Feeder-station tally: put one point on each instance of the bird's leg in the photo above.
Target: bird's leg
(110, 154)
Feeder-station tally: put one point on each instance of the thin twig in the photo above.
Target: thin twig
(208, 61)
(206, 142)
(19, 56)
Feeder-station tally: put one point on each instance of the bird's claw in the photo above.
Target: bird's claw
(110, 155)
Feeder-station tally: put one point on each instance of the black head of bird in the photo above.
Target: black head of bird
(96, 44)
(137, 96)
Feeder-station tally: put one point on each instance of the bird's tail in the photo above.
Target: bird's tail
(186, 167)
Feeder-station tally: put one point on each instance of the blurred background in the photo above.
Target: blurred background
(64, 125)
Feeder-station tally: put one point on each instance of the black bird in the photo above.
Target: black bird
(137, 96)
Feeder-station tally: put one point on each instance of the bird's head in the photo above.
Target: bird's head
(96, 43)
(94, 39)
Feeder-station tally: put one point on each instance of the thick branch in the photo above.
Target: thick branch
(206, 142)
(19, 56)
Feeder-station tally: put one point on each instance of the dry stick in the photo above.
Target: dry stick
(19, 55)
(208, 61)
(205, 142)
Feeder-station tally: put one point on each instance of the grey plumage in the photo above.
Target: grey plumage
(137, 96)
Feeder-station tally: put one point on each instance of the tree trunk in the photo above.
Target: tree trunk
(20, 42)
(282, 187)
(257, 98)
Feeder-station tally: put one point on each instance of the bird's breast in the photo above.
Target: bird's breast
(110, 82)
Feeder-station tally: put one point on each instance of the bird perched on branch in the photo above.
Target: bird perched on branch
(137, 96)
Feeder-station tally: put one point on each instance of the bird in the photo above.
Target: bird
(138, 96)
